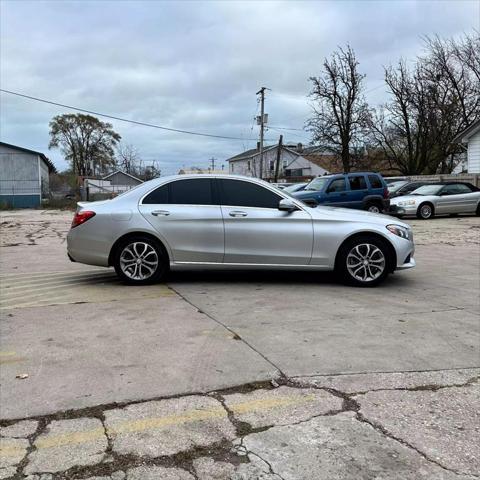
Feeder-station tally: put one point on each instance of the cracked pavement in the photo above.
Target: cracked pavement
(233, 376)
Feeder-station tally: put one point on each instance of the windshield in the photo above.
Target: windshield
(394, 186)
(317, 184)
(427, 190)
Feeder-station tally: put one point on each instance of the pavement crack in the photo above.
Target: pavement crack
(247, 452)
(235, 335)
(381, 429)
(431, 387)
(41, 428)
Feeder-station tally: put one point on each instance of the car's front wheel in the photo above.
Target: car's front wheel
(425, 211)
(140, 260)
(363, 261)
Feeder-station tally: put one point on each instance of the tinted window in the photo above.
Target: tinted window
(245, 194)
(456, 189)
(191, 192)
(158, 196)
(411, 187)
(182, 192)
(357, 183)
(338, 185)
(463, 188)
(375, 182)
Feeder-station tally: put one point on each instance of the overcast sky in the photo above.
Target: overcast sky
(197, 65)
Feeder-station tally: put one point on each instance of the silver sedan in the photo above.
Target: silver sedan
(231, 222)
(438, 199)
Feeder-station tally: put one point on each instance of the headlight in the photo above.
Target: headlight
(399, 231)
(404, 203)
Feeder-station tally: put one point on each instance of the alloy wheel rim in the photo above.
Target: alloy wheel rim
(373, 209)
(365, 262)
(139, 261)
(426, 211)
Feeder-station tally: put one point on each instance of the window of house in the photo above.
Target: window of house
(357, 182)
(248, 165)
(238, 193)
(272, 165)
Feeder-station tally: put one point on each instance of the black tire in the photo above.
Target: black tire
(425, 211)
(478, 210)
(344, 266)
(155, 253)
(373, 207)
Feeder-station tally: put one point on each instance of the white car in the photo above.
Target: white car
(232, 222)
(438, 199)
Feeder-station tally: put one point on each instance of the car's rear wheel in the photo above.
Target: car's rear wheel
(364, 261)
(140, 260)
(425, 211)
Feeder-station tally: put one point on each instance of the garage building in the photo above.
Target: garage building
(23, 176)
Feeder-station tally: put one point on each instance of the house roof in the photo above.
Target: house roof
(249, 153)
(123, 173)
(468, 132)
(50, 165)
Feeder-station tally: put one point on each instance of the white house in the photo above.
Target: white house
(295, 163)
(471, 138)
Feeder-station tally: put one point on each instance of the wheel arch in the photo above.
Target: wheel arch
(391, 249)
(134, 234)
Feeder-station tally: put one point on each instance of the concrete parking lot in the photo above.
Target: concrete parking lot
(238, 375)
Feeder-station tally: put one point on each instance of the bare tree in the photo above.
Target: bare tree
(430, 105)
(340, 112)
(128, 159)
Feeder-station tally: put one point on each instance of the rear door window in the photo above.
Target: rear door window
(375, 181)
(357, 182)
(195, 191)
(158, 197)
(238, 193)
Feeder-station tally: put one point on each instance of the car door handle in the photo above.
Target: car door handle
(238, 213)
(160, 213)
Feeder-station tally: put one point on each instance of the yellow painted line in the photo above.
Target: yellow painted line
(19, 291)
(7, 354)
(143, 424)
(7, 361)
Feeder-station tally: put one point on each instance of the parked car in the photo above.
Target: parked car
(296, 187)
(228, 222)
(390, 180)
(404, 187)
(438, 199)
(362, 190)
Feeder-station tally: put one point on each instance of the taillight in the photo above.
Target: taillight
(386, 193)
(81, 217)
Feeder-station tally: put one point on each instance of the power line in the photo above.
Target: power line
(120, 119)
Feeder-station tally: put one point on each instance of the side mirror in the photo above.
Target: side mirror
(287, 205)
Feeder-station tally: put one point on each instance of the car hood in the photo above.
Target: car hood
(347, 214)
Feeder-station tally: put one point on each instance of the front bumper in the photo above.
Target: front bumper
(403, 210)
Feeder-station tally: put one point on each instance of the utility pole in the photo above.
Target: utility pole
(279, 154)
(261, 92)
(212, 160)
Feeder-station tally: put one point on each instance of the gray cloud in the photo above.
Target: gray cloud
(197, 65)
